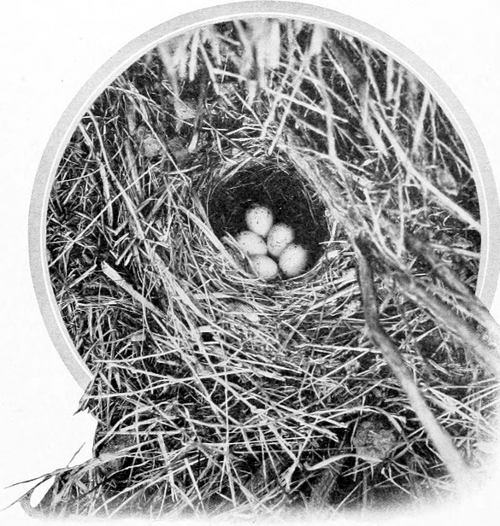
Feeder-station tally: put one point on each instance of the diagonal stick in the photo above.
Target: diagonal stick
(438, 435)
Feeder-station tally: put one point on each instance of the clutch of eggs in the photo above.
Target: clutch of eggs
(259, 219)
(293, 260)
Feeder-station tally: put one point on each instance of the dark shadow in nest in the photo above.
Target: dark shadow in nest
(292, 200)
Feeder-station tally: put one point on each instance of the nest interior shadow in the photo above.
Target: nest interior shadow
(292, 200)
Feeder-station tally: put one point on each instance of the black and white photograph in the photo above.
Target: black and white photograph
(263, 245)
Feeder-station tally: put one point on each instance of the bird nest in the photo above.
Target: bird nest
(270, 182)
(215, 390)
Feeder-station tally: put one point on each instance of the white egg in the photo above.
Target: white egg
(259, 219)
(264, 267)
(293, 260)
(251, 243)
(279, 237)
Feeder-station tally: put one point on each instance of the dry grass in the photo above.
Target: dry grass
(219, 393)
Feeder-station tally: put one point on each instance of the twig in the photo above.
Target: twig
(445, 315)
(113, 275)
(438, 195)
(439, 436)
(474, 305)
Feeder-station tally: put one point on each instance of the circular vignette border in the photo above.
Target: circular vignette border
(488, 199)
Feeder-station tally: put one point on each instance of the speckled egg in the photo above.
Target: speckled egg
(251, 243)
(279, 237)
(293, 260)
(259, 219)
(264, 267)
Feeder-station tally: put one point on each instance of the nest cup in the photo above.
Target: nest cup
(292, 199)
